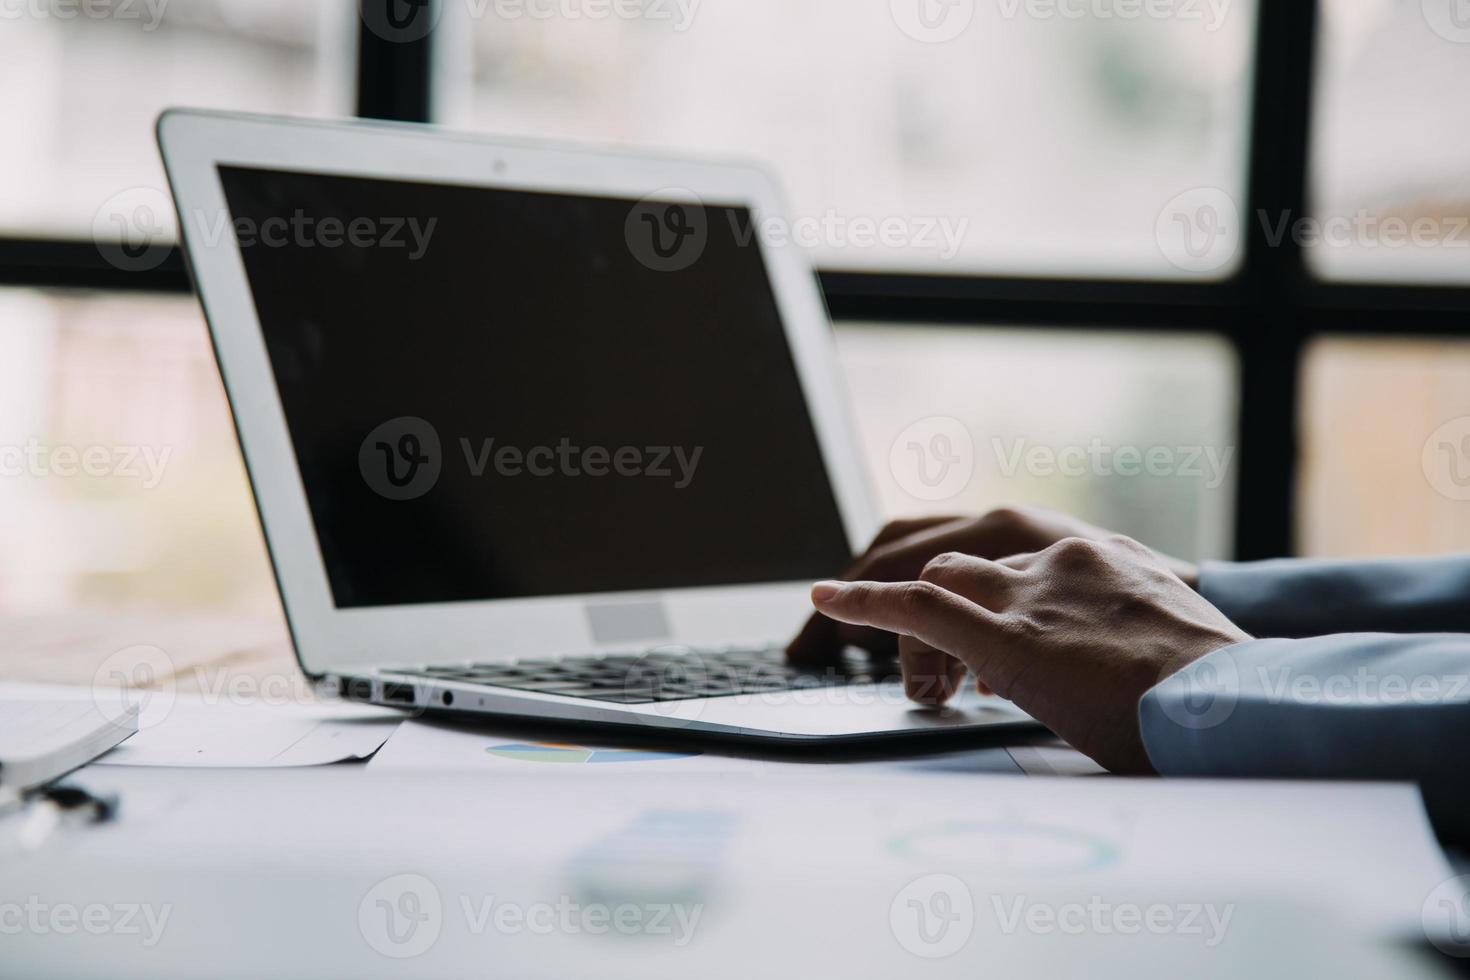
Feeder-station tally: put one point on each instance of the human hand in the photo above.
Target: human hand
(1074, 634)
(903, 548)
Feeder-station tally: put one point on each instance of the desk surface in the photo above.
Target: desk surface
(72, 648)
(264, 901)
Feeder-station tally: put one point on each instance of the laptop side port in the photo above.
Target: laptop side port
(358, 689)
(398, 693)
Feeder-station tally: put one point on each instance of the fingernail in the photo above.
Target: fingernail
(826, 591)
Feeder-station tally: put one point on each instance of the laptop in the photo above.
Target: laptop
(536, 431)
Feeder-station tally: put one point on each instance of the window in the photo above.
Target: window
(1014, 138)
(1386, 453)
(1057, 235)
(84, 83)
(1391, 191)
(1133, 432)
(120, 480)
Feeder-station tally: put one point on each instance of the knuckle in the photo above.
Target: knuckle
(917, 597)
(1076, 551)
(943, 567)
(1007, 516)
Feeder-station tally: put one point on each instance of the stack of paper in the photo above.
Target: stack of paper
(41, 740)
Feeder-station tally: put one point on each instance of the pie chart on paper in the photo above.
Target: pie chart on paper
(556, 752)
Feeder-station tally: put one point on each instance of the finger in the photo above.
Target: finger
(878, 644)
(1020, 562)
(1136, 550)
(925, 611)
(904, 558)
(991, 536)
(822, 640)
(985, 583)
(930, 676)
(816, 644)
(982, 688)
(902, 528)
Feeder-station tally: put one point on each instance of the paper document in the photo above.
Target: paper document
(193, 731)
(269, 737)
(41, 740)
(211, 730)
(1053, 757)
(419, 746)
(830, 873)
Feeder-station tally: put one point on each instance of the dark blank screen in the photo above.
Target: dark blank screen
(526, 318)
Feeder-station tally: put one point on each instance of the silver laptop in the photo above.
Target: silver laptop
(535, 430)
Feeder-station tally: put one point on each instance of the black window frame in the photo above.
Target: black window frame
(1268, 310)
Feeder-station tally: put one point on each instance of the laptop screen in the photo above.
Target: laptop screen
(501, 394)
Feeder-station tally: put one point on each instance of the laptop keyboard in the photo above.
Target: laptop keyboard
(662, 675)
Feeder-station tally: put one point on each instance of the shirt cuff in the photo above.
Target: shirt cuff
(1185, 718)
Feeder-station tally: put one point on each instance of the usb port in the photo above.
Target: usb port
(397, 693)
(358, 689)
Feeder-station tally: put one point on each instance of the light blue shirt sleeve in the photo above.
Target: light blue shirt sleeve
(1295, 598)
(1358, 706)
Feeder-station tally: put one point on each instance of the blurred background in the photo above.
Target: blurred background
(1315, 374)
